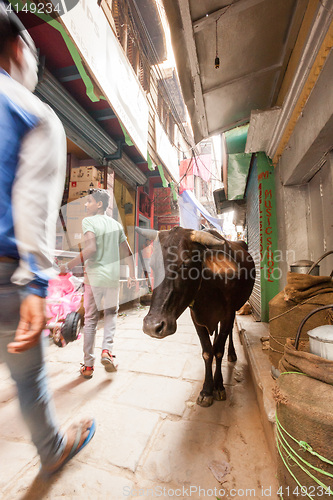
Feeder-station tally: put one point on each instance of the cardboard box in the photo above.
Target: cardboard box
(76, 207)
(78, 189)
(74, 229)
(61, 242)
(85, 174)
(75, 222)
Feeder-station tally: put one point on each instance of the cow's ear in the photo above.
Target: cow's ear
(209, 240)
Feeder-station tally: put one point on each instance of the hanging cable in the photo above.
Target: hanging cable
(217, 59)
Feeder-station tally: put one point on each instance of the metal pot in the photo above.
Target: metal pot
(321, 341)
(304, 266)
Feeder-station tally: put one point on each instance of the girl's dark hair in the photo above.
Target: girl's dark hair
(101, 195)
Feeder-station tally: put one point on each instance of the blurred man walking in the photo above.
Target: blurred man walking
(32, 159)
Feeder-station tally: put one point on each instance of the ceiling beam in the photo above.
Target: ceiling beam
(248, 76)
(103, 114)
(67, 74)
(194, 66)
(230, 126)
(229, 10)
(154, 173)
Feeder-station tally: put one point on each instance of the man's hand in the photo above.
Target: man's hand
(130, 282)
(32, 322)
(63, 269)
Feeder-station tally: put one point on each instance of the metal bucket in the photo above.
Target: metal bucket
(304, 266)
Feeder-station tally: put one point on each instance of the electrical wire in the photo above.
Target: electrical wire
(155, 61)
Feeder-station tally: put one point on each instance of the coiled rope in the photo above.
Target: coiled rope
(291, 454)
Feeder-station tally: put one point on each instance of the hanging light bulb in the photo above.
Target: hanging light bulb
(217, 59)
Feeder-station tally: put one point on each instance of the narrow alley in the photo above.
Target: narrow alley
(152, 440)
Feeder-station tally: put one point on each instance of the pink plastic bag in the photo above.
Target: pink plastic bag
(62, 298)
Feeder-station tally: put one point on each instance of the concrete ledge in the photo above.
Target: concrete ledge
(250, 333)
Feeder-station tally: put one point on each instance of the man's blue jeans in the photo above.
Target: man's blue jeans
(28, 371)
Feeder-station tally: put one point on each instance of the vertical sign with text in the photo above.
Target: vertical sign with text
(270, 273)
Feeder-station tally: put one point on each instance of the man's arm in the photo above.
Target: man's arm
(127, 255)
(35, 205)
(88, 252)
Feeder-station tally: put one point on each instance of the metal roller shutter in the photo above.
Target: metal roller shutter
(253, 236)
(84, 131)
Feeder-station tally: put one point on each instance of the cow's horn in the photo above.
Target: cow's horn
(207, 239)
(150, 234)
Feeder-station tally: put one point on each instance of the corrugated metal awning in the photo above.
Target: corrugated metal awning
(82, 129)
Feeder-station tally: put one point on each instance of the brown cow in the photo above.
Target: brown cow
(212, 276)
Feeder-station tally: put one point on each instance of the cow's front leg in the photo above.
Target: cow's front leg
(219, 393)
(205, 397)
(218, 350)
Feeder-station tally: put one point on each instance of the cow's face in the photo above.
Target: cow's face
(177, 264)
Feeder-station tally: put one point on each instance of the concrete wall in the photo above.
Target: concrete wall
(291, 203)
(304, 181)
(320, 215)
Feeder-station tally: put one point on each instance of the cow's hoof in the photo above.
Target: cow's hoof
(205, 401)
(219, 395)
(232, 358)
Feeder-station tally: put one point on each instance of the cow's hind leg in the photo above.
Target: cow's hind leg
(232, 356)
(219, 393)
(205, 397)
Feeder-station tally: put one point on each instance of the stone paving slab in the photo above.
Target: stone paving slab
(122, 433)
(12, 425)
(194, 368)
(159, 364)
(70, 354)
(173, 348)
(179, 453)
(18, 456)
(133, 345)
(102, 385)
(131, 328)
(157, 393)
(77, 480)
(7, 391)
(131, 333)
(182, 338)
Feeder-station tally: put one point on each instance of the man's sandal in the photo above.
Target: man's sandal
(86, 371)
(78, 444)
(108, 360)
